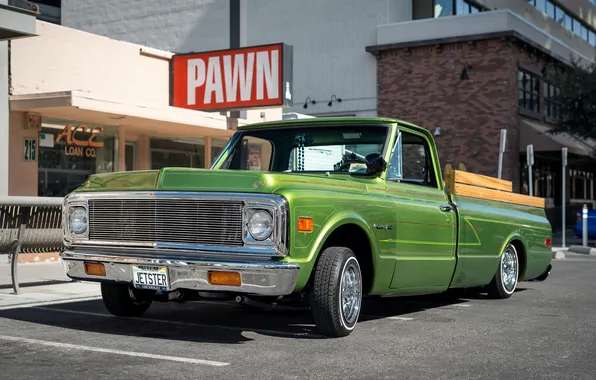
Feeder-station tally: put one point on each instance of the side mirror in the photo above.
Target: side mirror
(375, 163)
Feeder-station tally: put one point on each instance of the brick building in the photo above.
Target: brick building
(467, 86)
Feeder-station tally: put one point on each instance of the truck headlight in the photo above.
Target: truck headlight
(77, 220)
(260, 224)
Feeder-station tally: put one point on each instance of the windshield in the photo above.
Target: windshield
(338, 149)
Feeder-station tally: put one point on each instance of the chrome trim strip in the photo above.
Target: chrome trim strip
(266, 277)
(176, 254)
(158, 247)
(277, 245)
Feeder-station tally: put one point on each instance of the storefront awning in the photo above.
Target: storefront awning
(82, 106)
(16, 23)
(537, 134)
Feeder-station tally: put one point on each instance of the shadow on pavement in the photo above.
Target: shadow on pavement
(214, 322)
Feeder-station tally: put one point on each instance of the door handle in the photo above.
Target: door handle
(446, 208)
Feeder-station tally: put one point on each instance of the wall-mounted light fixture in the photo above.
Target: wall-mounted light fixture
(308, 100)
(331, 101)
(464, 72)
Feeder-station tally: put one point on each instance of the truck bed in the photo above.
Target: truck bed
(489, 216)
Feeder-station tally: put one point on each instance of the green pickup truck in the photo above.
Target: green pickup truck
(315, 212)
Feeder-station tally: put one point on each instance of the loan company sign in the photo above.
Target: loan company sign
(257, 76)
(80, 146)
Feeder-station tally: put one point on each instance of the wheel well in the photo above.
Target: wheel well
(521, 253)
(353, 237)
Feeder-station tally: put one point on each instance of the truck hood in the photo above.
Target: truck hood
(199, 180)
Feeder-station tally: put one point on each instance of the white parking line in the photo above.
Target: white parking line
(116, 352)
(401, 318)
(461, 304)
(180, 323)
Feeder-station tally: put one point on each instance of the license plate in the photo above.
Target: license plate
(150, 277)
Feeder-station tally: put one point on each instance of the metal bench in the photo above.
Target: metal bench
(29, 225)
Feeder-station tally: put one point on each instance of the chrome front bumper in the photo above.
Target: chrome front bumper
(265, 277)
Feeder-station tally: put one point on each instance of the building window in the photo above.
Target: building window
(71, 151)
(177, 152)
(551, 107)
(528, 91)
(463, 7)
(561, 16)
(48, 10)
(444, 8)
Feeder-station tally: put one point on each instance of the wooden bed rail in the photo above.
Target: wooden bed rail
(484, 187)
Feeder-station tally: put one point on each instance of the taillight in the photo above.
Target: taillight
(547, 242)
(579, 218)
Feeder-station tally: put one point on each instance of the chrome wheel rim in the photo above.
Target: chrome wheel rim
(351, 292)
(509, 269)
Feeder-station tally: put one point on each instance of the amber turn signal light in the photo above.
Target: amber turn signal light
(224, 278)
(305, 224)
(95, 269)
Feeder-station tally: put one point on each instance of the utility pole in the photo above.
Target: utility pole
(563, 189)
(234, 44)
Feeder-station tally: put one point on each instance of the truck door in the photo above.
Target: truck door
(425, 247)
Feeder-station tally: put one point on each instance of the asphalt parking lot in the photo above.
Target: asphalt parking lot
(545, 331)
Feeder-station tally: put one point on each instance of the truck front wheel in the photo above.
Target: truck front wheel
(505, 281)
(122, 301)
(336, 295)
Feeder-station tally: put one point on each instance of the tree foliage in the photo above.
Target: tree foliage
(576, 99)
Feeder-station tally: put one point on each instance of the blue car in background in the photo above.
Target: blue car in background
(591, 224)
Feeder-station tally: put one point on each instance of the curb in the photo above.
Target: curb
(559, 255)
(583, 250)
(32, 258)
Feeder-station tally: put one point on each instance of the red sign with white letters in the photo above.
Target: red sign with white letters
(257, 76)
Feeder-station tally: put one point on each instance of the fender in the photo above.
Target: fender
(515, 236)
(331, 224)
(334, 223)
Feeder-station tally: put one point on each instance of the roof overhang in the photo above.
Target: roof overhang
(476, 26)
(16, 23)
(82, 106)
(537, 134)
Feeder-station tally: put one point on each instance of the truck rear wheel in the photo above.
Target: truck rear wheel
(336, 295)
(505, 281)
(122, 301)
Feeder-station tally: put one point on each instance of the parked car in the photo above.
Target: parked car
(268, 224)
(578, 228)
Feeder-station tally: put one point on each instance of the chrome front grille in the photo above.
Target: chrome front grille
(209, 222)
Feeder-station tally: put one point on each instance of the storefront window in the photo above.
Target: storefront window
(70, 151)
(187, 153)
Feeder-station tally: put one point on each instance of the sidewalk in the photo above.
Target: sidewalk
(34, 273)
(43, 283)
